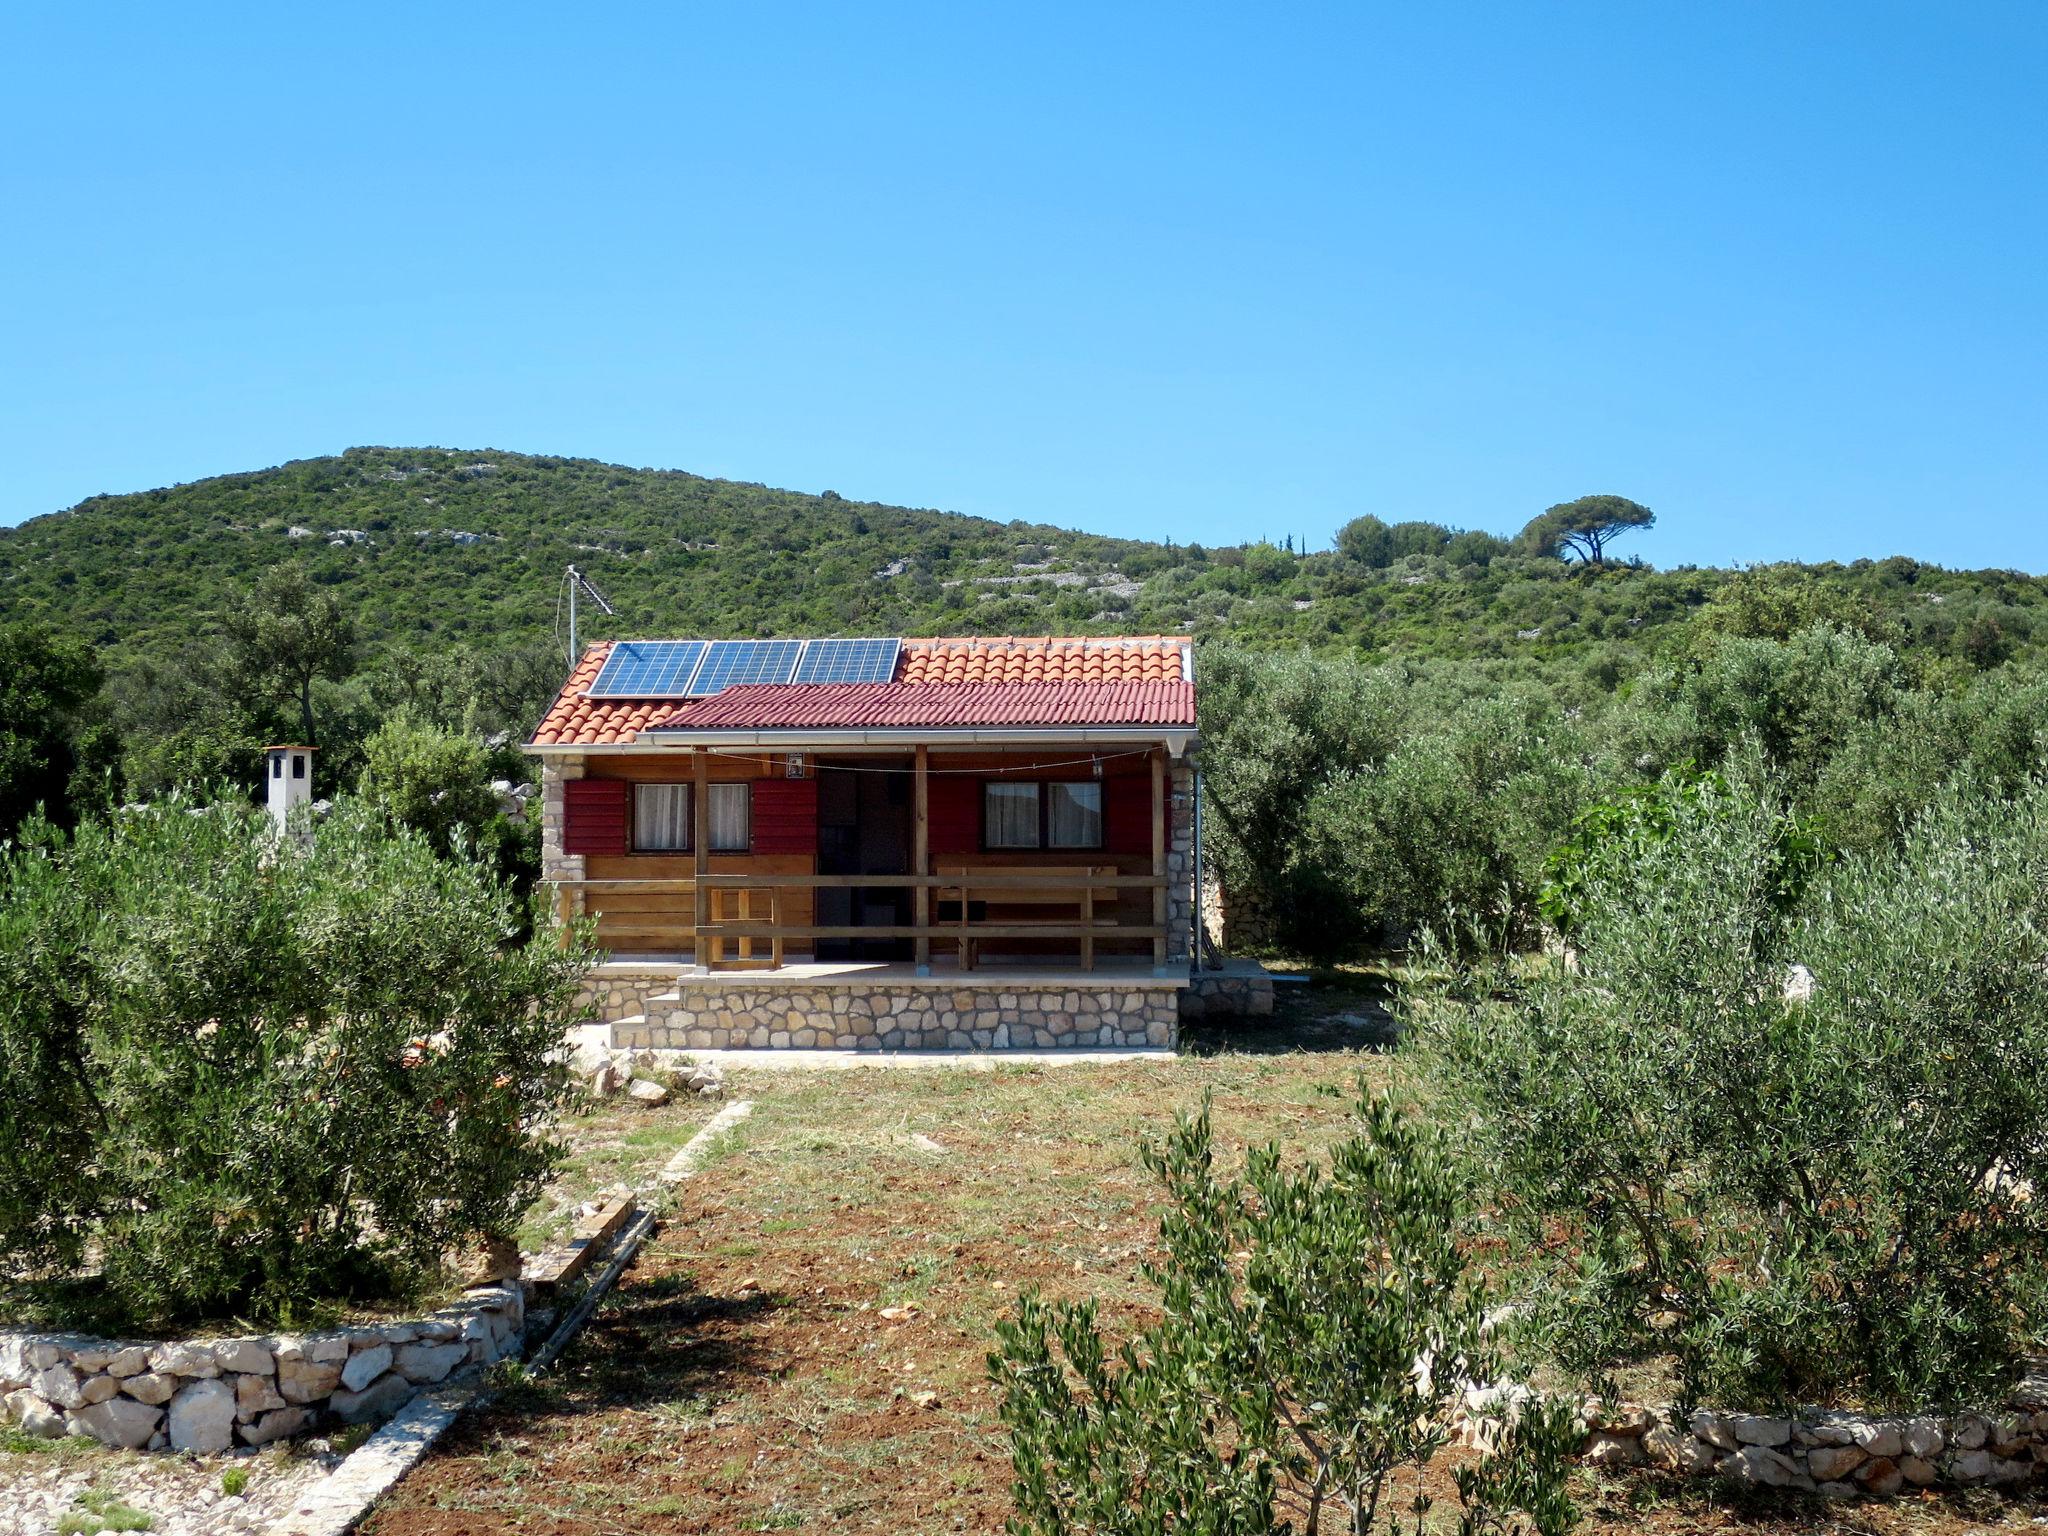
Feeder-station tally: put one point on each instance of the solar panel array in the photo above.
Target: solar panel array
(686, 669)
(847, 661)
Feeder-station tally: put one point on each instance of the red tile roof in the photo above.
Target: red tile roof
(1100, 671)
(885, 706)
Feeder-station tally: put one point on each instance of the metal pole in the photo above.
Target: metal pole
(575, 580)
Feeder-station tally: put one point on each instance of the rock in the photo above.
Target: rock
(1837, 1490)
(202, 1417)
(1923, 1438)
(132, 1361)
(1751, 1430)
(118, 1421)
(33, 1416)
(1676, 1451)
(194, 1360)
(1831, 1463)
(275, 1425)
(2008, 1471)
(1880, 1439)
(1971, 1467)
(379, 1400)
(1972, 1430)
(254, 1396)
(1713, 1429)
(605, 1081)
(1920, 1473)
(423, 1363)
(1604, 1449)
(1880, 1476)
(307, 1381)
(365, 1366)
(250, 1355)
(150, 1387)
(1759, 1465)
(488, 1261)
(60, 1385)
(645, 1090)
(925, 1399)
(98, 1389)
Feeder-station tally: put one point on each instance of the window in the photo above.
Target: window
(1027, 815)
(1073, 815)
(298, 765)
(661, 818)
(731, 815)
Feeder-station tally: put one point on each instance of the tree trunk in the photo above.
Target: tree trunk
(306, 708)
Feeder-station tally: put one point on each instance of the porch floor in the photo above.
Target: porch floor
(1122, 972)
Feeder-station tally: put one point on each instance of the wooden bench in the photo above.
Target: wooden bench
(1062, 885)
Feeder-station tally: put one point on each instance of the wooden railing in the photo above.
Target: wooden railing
(711, 929)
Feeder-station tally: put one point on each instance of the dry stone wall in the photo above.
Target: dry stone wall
(207, 1396)
(708, 1016)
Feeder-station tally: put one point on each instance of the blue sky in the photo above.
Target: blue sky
(1214, 274)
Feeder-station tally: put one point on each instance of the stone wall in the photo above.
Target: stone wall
(1180, 861)
(1836, 1455)
(555, 771)
(710, 1015)
(1241, 990)
(208, 1395)
(622, 991)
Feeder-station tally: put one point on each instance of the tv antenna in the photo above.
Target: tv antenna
(580, 583)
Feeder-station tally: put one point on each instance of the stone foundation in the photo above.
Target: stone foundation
(707, 1015)
(1241, 990)
(207, 1396)
(619, 991)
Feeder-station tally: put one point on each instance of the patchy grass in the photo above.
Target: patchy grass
(744, 1376)
(98, 1509)
(614, 1145)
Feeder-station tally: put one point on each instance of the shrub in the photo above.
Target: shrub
(1283, 1375)
(1798, 1186)
(245, 1076)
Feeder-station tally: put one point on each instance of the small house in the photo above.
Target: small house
(878, 843)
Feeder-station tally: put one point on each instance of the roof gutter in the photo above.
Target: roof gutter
(1176, 739)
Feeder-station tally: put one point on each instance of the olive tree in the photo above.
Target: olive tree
(1777, 1119)
(248, 1077)
(1317, 1327)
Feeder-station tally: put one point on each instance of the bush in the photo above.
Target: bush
(1284, 1372)
(245, 1077)
(1793, 1197)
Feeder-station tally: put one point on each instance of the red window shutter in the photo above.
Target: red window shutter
(1127, 814)
(786, 816)
(594, 816)
(955, 805)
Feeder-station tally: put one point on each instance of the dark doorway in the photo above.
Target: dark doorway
(864, 828)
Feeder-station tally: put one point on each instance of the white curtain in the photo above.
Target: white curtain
(730, 804)
(661, 817)
(1011, 816)
(1073, 815)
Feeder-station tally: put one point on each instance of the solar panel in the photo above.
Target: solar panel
(848, 661)
(729, 663)
(649, 669)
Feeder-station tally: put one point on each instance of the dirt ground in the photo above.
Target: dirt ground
(802, 1346)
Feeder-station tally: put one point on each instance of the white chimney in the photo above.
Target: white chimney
(288, 780)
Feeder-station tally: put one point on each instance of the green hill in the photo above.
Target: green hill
(431, 547)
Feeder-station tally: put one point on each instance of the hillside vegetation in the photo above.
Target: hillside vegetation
(432, 547)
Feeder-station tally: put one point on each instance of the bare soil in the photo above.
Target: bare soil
(744, 1377)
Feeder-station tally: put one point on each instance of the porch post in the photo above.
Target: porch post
(1159, 860)
(921, 860)
(700, 840)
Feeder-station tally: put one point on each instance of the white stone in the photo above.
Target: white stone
(118, 1421)
(1752, 1430)
(32, 1415)
(251, 1355)
(184, 1359)
(430, 1362)
(645, 1090)
(202, 1418)
(379, 1400)
(1879, 1439)
(60, 1385)
(275, 1425)
(1761, 1465)
(1676, 1451)
(98, 1389)
(150, 1387)
(1713, 1429)
(1923, 1438)
(254, 1396)
(307, 1381)
(132, 1361)
(365, 1366)
(1832, 1463)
